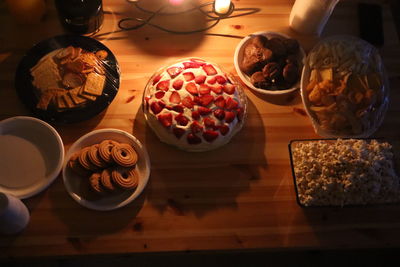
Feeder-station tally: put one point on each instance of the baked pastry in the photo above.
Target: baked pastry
(272, 62)
(194, 105)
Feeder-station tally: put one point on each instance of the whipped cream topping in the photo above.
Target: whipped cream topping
(194, 105)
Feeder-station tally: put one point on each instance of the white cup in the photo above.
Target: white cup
(310, 16)
(14, 215)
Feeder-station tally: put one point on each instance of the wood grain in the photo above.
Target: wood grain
(238, 197)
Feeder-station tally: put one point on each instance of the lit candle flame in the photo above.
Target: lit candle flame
(222, 6)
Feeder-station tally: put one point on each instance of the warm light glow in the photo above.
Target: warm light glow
(222, 6)
(176, 2)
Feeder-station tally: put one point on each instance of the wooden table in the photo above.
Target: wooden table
(239, 197)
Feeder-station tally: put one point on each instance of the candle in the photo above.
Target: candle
(222, 6)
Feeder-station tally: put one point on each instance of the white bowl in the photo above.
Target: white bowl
(76, 185)
(32, 154)
(238, 57)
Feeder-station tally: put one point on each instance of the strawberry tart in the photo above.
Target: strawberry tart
(194, 105)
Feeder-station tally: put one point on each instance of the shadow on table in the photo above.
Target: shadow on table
(183, 182)
(81, 221)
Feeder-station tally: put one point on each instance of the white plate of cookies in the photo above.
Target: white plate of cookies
(106, 169)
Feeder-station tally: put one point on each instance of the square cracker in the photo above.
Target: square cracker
(74, 94)
(87, 96)
(44, 101)
(94, 84)
(60, 102)
(68, 100)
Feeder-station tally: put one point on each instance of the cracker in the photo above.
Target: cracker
(44, 101)
(87, 96)
(74, 94)
(60, 102)
(94, 84)
(68, 100)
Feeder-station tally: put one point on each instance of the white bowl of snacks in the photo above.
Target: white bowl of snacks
(344, 87)
(269, 63)
(106, 169)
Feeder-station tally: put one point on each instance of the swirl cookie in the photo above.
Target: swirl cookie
(105, 148)
(94, 157)
(75, 166)
(84, 160)
(95, 182)
(126, 178)
(106, 181)
(124, 155)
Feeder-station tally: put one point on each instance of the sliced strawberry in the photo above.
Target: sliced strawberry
(161, 103)
(229, 116)
(193, 139)
(191, 65)
(175, 97)
(198, 61)
(220, 101)
(163, 85)
(165, 119)
(219, 114)
(209, 69)
(231, 103)
(208, 122)
(195, 115)
(177, 84)
(191, 88)
(174, 71)
(217, 88)
(200, 79)
(224, 129)
(212, 80)
(181, 120)
(147, 98)
(156, 79)
(205, 100)
(220, 79)
(188, 76)
(229, 88)
(168, 107)
(196, 127)
(178, 132)
(159, 94)
(187, 101)
(239, 114)
(204, 89)
(156, 107)
(210, 135)
(204, 111)
(178, 108)
(197, 100)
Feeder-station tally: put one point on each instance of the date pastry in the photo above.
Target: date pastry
(126, 178)
(124, 155)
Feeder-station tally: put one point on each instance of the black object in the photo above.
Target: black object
(370, 23)
(80, 16)
(27, 92)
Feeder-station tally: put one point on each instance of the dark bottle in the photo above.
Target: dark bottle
(80, 16)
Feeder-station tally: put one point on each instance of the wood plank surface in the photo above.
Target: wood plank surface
(240, 196)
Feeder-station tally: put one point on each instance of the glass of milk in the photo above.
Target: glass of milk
(310, 16)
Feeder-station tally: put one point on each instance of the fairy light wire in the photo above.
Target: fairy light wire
(200, 8)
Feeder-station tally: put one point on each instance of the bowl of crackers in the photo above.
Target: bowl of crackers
(106, 169)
